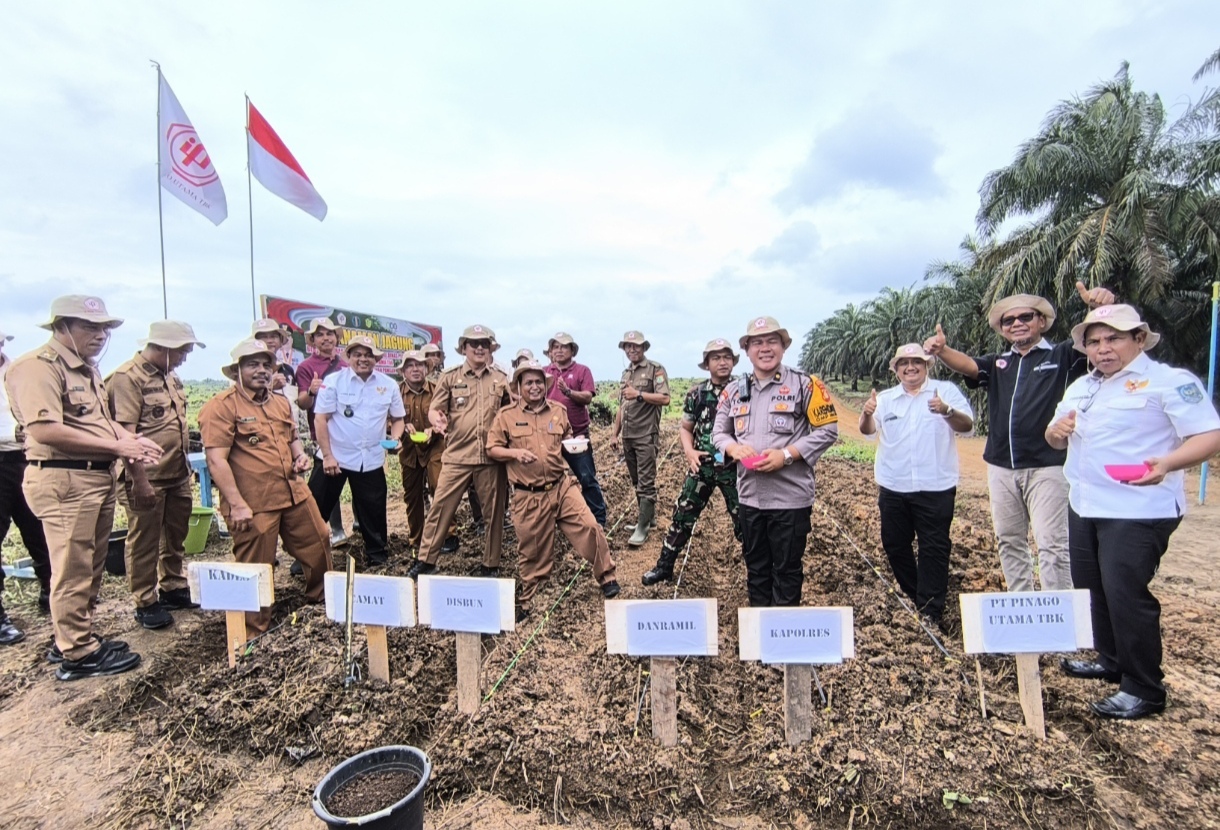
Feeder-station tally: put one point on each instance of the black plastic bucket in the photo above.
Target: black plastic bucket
(405, 814)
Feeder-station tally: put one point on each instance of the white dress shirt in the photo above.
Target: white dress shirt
(355, 441)
(916, 450)
(1145, 410)
(8, 424)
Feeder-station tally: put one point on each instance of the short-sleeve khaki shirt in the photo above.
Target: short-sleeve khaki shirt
(640, 419)
(542, 433)
(52, 385)
(154, 405)
(470, 400)
(259, 438)
(416, 404)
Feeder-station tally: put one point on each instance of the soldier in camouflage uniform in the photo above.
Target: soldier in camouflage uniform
(705, 473)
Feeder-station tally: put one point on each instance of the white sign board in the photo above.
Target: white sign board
(1026, 622)
(230, 586)
(466, 603)
(662, 627)
(376, 600)
(796, 636)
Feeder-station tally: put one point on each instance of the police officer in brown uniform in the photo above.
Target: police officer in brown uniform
(420, 460)
(255, 458)
(464, 403)
(57, 396)
(146, 397)
(528, 437)
(644, 394)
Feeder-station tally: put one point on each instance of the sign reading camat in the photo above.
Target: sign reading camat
(1027, 622)
(376, 600)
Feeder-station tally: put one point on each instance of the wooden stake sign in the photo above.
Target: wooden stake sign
(1027, 624)
(797, 639)
(378, 602)
(663, 630)
(234, 588)
(470, 606)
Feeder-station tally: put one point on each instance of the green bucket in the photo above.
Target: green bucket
(198, 528)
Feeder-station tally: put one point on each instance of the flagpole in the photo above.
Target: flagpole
(250, 202)
(160, 219)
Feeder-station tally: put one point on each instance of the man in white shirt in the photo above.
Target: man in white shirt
(351, 412)
(916, 469)
(1156, 421)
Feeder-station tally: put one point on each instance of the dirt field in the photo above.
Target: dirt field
(565, 735)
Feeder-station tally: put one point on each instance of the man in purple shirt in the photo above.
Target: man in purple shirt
(574, 389)
(323, 335)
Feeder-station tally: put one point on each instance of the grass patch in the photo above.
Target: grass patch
(864, 452)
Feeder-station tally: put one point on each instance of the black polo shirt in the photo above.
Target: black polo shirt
(1022, 393)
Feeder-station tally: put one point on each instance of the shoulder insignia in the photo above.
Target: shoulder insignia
(1190, 392)
(48, 355)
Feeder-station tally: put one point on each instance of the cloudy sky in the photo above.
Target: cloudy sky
(674, 167)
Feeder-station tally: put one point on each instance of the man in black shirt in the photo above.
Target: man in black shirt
(1024, 473)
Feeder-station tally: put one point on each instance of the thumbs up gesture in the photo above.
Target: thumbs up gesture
(1094, 297)
(870, 406)
(1062, 429)
(936, 405)
(934, 344)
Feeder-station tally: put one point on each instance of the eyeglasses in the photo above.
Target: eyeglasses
(1026, 317)
(1087, 401)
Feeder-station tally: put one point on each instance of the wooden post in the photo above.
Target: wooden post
(469, 663)
(379, 653)
(1029, 689)
(798, 703)
(235, 627)
(664, 672)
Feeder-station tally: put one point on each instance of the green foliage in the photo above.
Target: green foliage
(864, 452)
(199, 392)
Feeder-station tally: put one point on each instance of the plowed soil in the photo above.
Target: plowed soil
(564, 733)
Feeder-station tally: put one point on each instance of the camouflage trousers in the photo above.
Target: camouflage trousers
(696, 492)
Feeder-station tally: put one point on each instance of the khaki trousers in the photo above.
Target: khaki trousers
(491, 483)
(155, 539)
(77, 512)
(1019, 498)
(536, 516)
(416, 481)
(641, 457)
(306, 539)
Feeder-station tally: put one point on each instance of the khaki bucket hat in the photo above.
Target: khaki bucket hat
(320, 323)
(431, 348)
(765, 325)
(636, 339)
(245, 348)
(476, 333)
(171, 334)
(363, 340)
(532, 366)
(718, 345)
(563, 339)
(1002, 307)
(1121, 317)
(415, 354)
(522, 354)
(910, 350)
(268, 326)
(81, 307)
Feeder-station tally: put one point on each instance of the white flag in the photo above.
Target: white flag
(186, 167)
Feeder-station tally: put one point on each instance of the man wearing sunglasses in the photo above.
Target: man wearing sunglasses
(1024, 474)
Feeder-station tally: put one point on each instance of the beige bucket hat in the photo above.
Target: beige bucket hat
(476, 333)
(81, 307)
(366, 341)
(319, 323)
(268, 326)
(1002, 307)
(532, 366)
(245, 348)
(431, 348)
(718, 345)
(563, 339)
(910, 350)
(522, 354)
(171, 334)
(1121, 317)
(415, 354)
(765, 325)
(636, 339)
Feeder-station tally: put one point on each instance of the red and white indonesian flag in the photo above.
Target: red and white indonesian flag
(277, 169)
(186, 167)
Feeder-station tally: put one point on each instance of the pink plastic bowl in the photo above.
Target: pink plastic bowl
(1127, 472)
(753, 461)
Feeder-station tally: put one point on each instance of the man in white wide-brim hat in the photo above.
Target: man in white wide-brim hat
(1024, 474)
(147, 397)
(1158, 420)
(643, 396)
(71, 442)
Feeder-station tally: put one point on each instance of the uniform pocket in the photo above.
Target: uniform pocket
(79, 404)
(781, 423)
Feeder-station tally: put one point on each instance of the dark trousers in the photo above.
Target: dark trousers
(925, 515)
(1115, 559)
(335, 516)
(585, 469)
(773, 544)
(15, 510)
(368, 502)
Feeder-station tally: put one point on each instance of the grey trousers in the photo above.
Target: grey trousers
(1019, 498)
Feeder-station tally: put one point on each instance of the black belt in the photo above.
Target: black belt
(545, 488)
(12, 456)
(72, 465)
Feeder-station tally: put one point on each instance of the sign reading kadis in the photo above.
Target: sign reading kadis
(391, 334)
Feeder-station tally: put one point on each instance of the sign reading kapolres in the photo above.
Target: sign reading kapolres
(391, 334)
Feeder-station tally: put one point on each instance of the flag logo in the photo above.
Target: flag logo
(188, 156)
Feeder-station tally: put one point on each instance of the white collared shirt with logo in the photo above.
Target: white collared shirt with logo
(355, 441)
(916, 449)
(1145, 410)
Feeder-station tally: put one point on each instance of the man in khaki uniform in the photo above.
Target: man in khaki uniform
(255, 458)
(146, 397)
(464, 403)
(643, 396)
(528, 437)
(420, 460)
(277, 336)
(436, 360)
(57, 397)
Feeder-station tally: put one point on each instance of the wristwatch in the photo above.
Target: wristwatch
(788, 459)
(948, 413)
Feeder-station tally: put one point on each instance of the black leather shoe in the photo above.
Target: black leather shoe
(9, 633)
(154, 616)
(483, 570)
(658, 574)
(420, 568)
(450, 545)
(98, 664)
(611, 590)
(1126, 706)
(296, 568)
(179, 598)
(1089, 670)
(55, 656)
